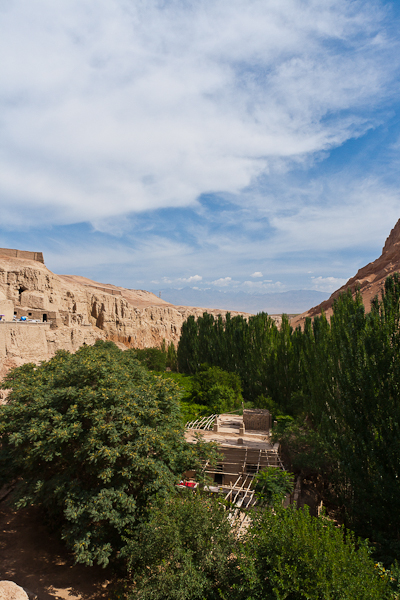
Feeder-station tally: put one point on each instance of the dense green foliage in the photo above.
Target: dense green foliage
(340, 379)
(190, 411)
(210, 390)
(264, 357)
(154, 359)
(188, 551)
(158, 359)
(302, 445)
(352, 370)
(172, 357)
(94, 438)
(97, 441)
(292, 555)
(184, 551)
(271, 486)
(217, 389)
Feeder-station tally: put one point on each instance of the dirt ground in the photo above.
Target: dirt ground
(37, 561)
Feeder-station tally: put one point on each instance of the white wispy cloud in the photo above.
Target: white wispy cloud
(338, 213)
(224, 282)
(257, 274)
(263, 286)
(327, 284)
(114, 108)
(192, 279)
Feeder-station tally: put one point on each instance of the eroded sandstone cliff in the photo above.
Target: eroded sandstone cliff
(370, 279)
(70, 311)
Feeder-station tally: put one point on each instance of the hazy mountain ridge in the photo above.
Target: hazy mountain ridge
(293, 301)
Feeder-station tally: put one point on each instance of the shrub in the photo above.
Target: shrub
(191, 411)
(152, 358)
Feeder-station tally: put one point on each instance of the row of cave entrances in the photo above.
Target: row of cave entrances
(44, 316)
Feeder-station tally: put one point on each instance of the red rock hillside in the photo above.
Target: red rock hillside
(369, 279)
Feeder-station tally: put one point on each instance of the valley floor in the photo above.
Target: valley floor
(38, 562)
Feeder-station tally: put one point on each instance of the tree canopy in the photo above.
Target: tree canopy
(189, 551)
(186, 550)
(292, 555)
(217, 389)
(97, 441)
(340, 379)
(94, 437)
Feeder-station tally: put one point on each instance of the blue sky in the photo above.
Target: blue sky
(227, 144)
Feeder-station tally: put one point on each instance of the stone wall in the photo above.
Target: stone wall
(257, 420)
(34, 342)
(25, 254)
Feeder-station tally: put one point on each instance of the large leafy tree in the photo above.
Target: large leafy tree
(92, 437)
(343, 376)
(352, 374)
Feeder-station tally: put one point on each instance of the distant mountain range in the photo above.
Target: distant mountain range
(292, 302)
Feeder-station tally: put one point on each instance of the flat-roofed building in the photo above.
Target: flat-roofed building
(244, 451)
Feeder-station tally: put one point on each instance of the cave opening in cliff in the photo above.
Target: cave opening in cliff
(44, 318)
(21, 289)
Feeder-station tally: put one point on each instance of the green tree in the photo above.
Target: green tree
(154, 359)
(188, 348)
(172, 357)
(94, 438)
(186, 550)
(291, 555)
(253, 348)
(352, 370)
(216, 388)
(271, 485)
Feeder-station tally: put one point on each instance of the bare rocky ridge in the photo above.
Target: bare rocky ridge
(70, 311)
(370, 279)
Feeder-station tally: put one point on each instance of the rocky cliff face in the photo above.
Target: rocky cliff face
(70, 311)
(370, 279)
